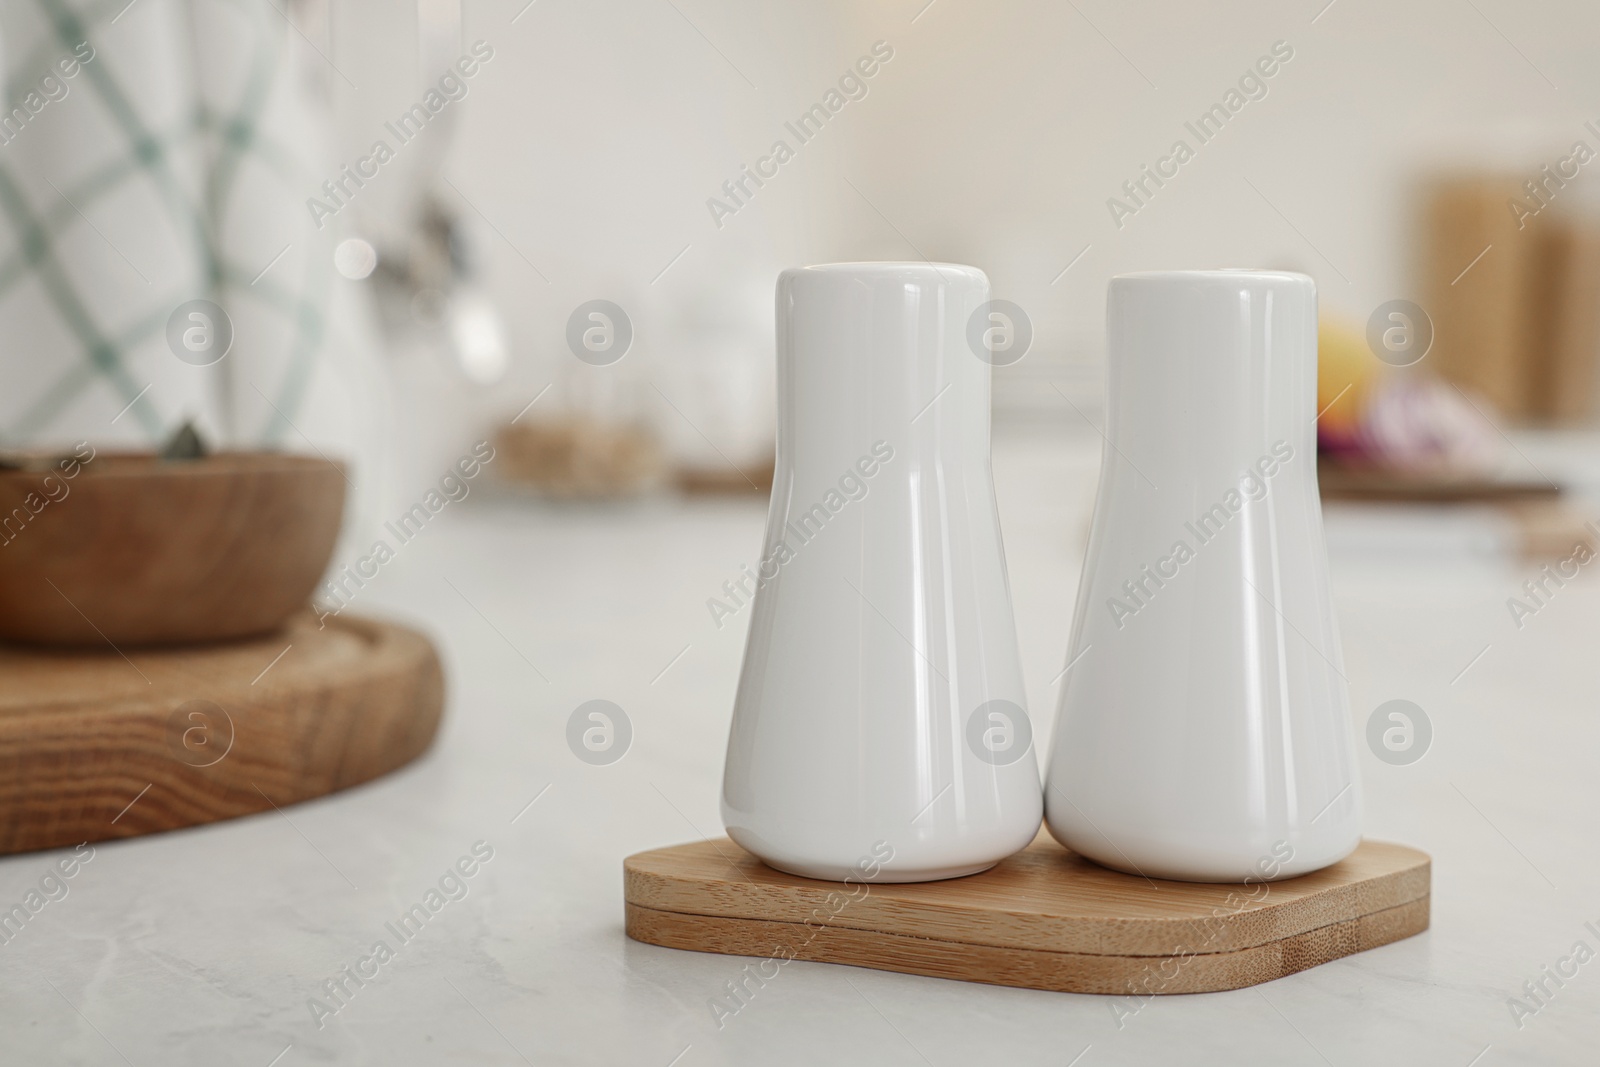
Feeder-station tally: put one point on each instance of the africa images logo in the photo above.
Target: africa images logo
(804, 527)
(1254, 484)
(1252, 85)
(738, 191)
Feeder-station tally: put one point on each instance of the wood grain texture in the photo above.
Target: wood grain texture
(1481, 315)
(1046, 918)
(82, 734)
(139, 551)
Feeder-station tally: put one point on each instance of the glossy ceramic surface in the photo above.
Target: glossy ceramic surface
(879, 731)
(1204, 725)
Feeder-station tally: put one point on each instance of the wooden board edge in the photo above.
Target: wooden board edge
(795, 903)
(172, 795)
(1062, 972)
(390, 647)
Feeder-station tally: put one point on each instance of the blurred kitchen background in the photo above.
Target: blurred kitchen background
(377, 229)
(1437, 155)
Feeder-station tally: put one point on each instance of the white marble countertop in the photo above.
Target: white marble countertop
(206, 946)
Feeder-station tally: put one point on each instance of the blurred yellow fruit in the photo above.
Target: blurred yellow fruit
(1346, 374)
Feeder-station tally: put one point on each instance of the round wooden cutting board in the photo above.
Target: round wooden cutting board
(108, 744)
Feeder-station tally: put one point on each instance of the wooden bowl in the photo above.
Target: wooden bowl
(129, 549)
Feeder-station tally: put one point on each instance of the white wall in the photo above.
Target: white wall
(994, 136)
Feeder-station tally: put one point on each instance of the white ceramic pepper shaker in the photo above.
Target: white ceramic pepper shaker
(1204, 726)
(880, 711)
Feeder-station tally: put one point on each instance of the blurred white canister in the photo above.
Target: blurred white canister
(879, 729)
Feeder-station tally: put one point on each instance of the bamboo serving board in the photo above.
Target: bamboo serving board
(1044, 919)
(97, 745)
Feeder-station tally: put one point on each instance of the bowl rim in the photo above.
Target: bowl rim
(145, 464)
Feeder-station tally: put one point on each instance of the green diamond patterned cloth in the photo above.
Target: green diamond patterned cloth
(156, 153)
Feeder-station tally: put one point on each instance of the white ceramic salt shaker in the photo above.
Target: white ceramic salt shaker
(879, 730)
(1204, 725)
